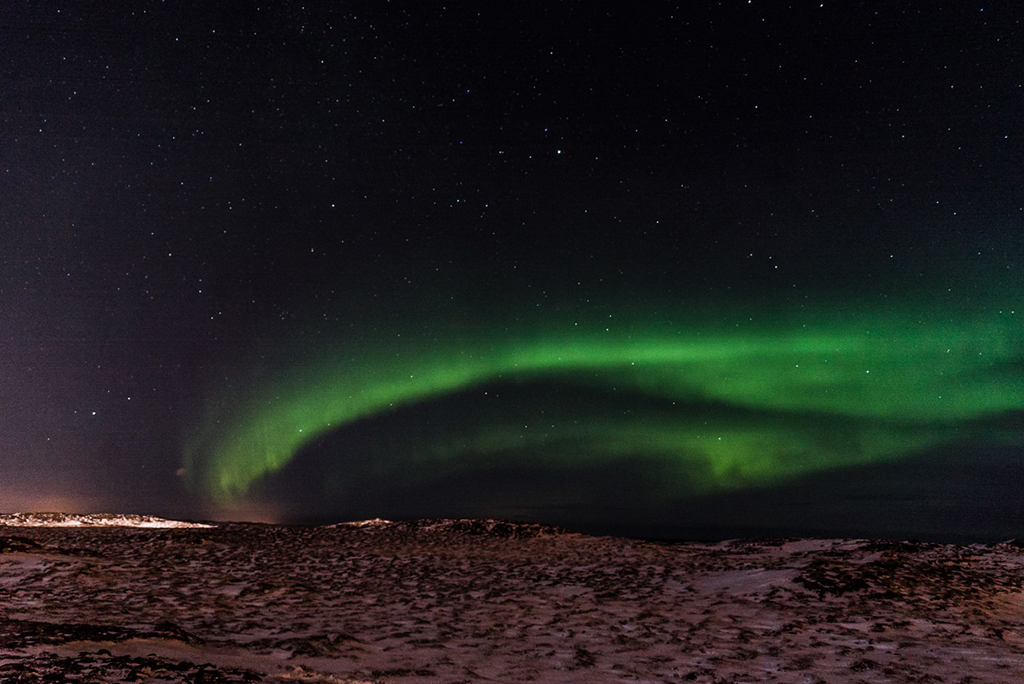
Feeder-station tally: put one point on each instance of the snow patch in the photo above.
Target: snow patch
(374, 522)
(92, 520)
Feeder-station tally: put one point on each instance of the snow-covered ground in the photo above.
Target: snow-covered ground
(468, 601)
(92, 520)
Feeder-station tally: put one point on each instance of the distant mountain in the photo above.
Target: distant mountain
(51, 519)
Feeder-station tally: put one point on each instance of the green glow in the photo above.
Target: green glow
(804, 391)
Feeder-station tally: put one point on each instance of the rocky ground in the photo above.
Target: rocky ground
(470, 601)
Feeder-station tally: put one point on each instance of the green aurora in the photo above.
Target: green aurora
(728, 402)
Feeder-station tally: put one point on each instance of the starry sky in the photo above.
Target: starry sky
(677, 270)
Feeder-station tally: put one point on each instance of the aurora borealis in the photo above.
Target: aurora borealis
(727, 406)
(676, 270)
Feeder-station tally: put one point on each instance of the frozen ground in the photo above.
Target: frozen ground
(101, 520)
(471, 601)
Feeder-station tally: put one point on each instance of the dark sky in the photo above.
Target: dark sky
(326, 260)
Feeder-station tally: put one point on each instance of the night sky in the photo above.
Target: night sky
(675, 269)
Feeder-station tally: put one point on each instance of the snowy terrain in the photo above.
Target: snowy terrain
(94, 520)
(469, 601)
